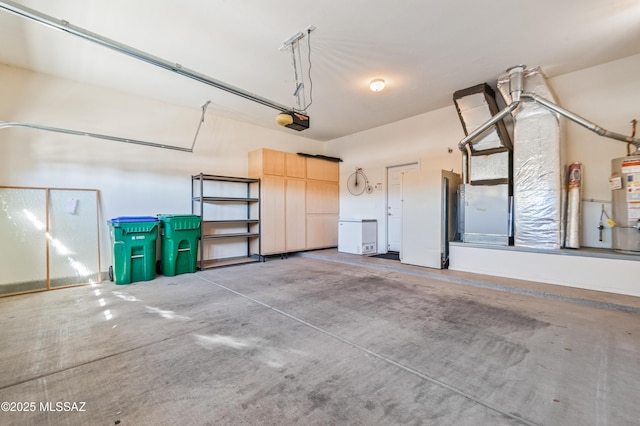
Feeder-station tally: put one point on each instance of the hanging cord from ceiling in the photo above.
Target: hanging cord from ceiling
(293, 44)
(310, 80)
(299, 93)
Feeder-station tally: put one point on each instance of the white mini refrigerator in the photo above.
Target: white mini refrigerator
(357, 236)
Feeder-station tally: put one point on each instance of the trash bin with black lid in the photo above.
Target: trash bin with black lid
(179, 241)
(134, 248)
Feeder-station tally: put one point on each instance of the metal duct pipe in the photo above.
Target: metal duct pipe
(8, 124)
(463, 145)
(516, 81)
(517, 94)
(581, 121)
(65, 26)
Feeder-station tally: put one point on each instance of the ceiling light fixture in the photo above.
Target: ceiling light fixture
(376, 84)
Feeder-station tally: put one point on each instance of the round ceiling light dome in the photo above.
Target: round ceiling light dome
(377, 84)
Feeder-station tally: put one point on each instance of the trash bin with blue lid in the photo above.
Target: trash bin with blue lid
(180, 236)
(134, 248)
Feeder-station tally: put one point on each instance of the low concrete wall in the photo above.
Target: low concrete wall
(601, 270)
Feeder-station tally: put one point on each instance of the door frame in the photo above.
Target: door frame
(408, 164)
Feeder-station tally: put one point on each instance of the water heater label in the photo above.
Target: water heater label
(633, 187)
(633, 211)
(631, 166)
(615, 182)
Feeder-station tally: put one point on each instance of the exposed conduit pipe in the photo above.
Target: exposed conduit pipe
(65, 26)
(9, 124)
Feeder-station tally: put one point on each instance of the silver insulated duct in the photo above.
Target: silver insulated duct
(539, 192)
(538, 162)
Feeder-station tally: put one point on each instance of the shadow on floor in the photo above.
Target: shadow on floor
(392, 255)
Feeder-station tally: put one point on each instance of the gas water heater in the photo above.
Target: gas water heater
(625, 199)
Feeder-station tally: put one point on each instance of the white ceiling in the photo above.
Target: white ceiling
(424, 49)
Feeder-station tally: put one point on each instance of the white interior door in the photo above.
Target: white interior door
(421, 218)
(394, 204)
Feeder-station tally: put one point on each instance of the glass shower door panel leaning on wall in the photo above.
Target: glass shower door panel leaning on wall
(23, 242)
(73, 237)
(48, 238)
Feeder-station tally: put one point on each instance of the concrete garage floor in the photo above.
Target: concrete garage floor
(321, 339)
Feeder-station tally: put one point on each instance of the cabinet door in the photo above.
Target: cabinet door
(323, 170)
(272, 162)
(266, 161)
(273, 215)
(323, 205)
(295, 165)
(295, 214)
(322, 230)
(323, 197)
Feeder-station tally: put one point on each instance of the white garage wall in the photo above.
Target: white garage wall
(607, 95)
(425, 138)
(133, 180)
(136, 180)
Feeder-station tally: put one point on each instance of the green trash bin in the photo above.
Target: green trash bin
(180, 235)
(134, 248)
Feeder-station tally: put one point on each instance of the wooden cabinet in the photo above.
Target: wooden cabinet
(295, 165)
(266, 161)
(323, 203)
(295, 215)
(322, 214)
(318, 169)
(300, 200)
(273, 215)
(322, 197)
(322, 230)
